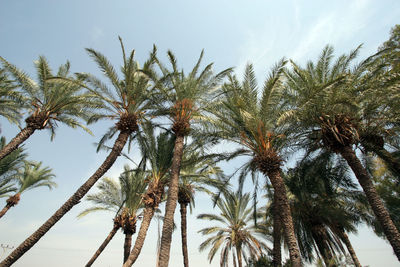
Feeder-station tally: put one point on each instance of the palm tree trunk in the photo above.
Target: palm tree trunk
(170, 206)
(16, 141)
(276, 252)
(5, 209)
(72, 201)
(183, 211)
(320, 237)
(103, 245)
(381, 213)
(286, 216)
(239, 256)
(144, 226)
(127, 245)
(346, 240)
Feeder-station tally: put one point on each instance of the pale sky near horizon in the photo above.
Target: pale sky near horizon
(232, 33)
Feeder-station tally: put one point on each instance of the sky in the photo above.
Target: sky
(232, 33)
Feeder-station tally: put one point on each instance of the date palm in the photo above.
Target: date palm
(199, 173)
(30, 176)
(325, 110)
(182, 99)
(250, 121)
(125, 104)
(157, 152)
(325, 204)
(124, 199)
(47, 102)
(235, 232)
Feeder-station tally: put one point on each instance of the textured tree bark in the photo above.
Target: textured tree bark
(347, 242)
(320, 236)
(16, 141)
(103, 245)
(127, 245)
(5, 209)
(286, 216)
(144, 226)
(170, 206)
(239, 256)
(276, 252)
(381, 213)
(183, 211)
(72, 201)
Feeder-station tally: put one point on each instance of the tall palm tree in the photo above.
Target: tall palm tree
(10, 99)
(158, 153)
(244, 118)
(124, 199)
(324, 109)
(126, 105)
(47, 102)
(182, 99)
(30, 176)
(235, 232)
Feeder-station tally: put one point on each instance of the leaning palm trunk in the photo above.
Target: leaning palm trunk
(344, 237)
(276, 252)
(183, 211)
(381, 213)
(11, 202)
(285, 215)
(104, 244)
(170, 206)
(144, 226)
(72, 201)
(17, 140)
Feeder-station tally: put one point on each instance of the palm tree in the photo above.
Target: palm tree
(244, 118)
(182, 99)
(30, 176)
(126, 105)
(158, 152)
(236, 234)
(10, 99)
(198, 173)
(324, 111)
(47, 102)
(325, 205)
(124, 199)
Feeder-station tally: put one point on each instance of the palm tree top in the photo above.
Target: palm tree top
(49, 101)
(10, 99)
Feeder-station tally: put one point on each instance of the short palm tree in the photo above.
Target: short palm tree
(124, 199)
(125, 104)
(235, 233)
(325, 205)
(47, 102)
(199, 173)
(30, 176)
(182, 99)
(325, 111)
(10, 99)
(157, 152)
(244, 118)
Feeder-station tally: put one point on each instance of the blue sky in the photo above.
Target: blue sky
(232, 33)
